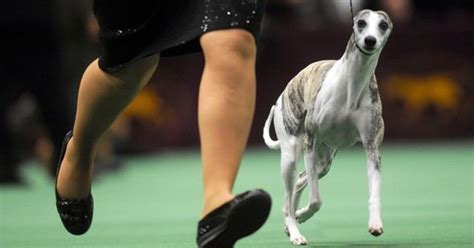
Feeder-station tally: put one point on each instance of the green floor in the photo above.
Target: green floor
(427, 201)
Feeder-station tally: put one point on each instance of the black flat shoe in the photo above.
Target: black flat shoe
(236, 219)
(76, 215)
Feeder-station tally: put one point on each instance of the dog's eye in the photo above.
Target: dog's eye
(383, 26)
(361, 24)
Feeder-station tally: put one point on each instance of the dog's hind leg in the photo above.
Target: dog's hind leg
(289, 153)
(301, 184)
(310, 158)
(324, 160)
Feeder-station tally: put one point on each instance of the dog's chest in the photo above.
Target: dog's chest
(336, 127)
(335, 118)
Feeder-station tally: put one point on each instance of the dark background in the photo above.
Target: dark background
(425, 74)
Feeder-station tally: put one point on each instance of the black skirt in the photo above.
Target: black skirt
(133, 29)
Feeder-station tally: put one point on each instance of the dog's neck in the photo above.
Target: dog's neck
(358, 67)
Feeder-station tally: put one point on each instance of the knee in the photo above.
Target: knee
(288, 168)
(228, 47)
(288, 159)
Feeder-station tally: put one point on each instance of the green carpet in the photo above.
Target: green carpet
(427, 201)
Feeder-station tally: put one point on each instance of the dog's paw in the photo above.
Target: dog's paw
(375, 227)
(298, 240)
(376, 231)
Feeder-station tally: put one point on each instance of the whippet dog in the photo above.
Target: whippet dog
(327, 106)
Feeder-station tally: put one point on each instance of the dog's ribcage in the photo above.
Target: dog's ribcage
(300, 94)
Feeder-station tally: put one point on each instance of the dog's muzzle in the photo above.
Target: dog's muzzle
(369, 46)
(370, 42)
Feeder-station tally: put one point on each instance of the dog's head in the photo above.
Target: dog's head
(371, 30)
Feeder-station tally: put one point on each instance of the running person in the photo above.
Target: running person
(134, 34)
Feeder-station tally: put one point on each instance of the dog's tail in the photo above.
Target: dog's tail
(272, 144)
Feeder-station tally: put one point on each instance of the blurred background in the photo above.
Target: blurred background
(425, 76)
(147, 173)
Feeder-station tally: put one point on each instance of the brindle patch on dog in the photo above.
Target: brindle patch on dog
(300, 95)
(377, 125)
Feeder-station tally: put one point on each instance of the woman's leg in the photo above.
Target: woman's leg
(102, 97)
(226, 108)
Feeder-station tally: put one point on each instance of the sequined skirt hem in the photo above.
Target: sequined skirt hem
(167, 28)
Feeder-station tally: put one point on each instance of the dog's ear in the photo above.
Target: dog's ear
(385, 16)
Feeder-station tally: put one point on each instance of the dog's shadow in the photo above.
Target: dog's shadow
(426, 243)
(348, 244)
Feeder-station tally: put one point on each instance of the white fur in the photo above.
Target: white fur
(343, 115)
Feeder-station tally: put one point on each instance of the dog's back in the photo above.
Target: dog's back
(300, 94)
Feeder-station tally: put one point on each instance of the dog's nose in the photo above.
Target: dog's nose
(370, 41)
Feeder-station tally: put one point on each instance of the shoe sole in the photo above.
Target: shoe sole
(245, 219)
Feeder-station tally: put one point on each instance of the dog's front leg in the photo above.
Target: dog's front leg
(373, 173)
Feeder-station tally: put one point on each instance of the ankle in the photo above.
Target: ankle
(213, 200)
(80, 158)
(75, 174)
